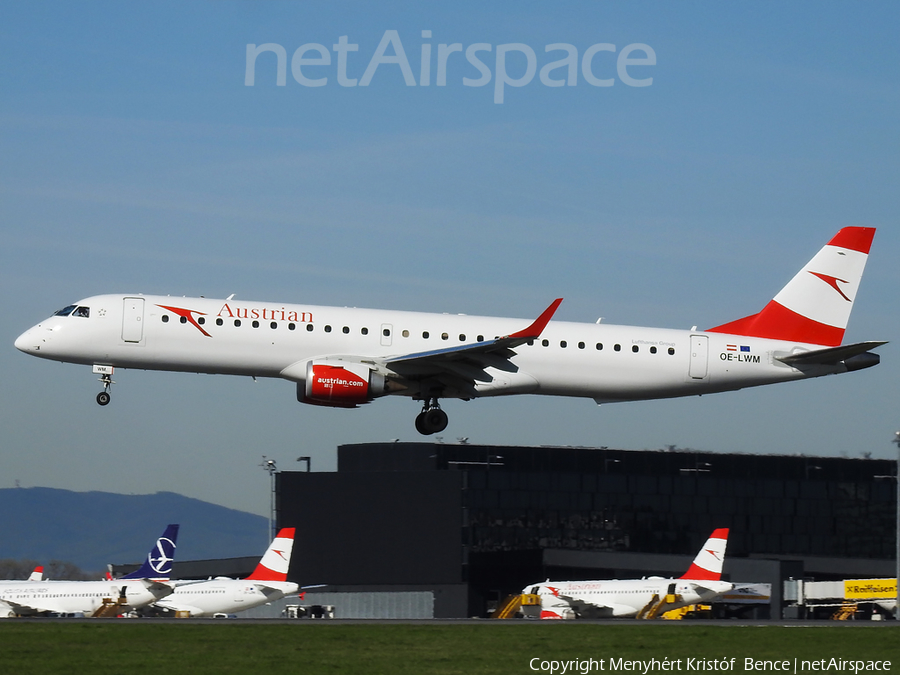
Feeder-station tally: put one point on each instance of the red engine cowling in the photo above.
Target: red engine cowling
(343, 386)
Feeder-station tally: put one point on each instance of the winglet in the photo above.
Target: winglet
(536, 328)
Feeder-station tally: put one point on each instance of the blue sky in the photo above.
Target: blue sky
(135, 159)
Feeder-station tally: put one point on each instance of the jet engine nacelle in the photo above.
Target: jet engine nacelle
(341, 384)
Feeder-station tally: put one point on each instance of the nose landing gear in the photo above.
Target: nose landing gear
(105, 373)
(432, 419)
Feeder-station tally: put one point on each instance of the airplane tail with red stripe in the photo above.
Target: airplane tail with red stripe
(707, 566)
(273, 566)
(814, 307)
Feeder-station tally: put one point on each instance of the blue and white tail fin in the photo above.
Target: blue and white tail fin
(158, 564)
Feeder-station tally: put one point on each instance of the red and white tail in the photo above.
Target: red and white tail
(273, 566)
(814, 307)
(707, 566)
(37, 574)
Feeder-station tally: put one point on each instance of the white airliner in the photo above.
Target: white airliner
(344, 357)
(226, 596)
(146, 585)
(646, 597)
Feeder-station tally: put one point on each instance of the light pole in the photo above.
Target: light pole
(269, 465)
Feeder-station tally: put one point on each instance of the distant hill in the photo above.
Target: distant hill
(91, 529)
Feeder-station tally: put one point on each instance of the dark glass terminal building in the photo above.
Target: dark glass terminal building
(472, 523)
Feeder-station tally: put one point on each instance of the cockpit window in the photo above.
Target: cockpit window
(84, 312)
(65, 311)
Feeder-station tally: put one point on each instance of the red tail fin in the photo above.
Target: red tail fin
(707, 566)
(273, 566)
(815, 305)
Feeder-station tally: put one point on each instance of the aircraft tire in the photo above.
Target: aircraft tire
(431, 422)
(103, 398)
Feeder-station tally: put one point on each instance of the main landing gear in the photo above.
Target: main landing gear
(432, 419)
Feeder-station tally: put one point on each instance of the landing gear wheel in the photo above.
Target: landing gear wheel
(107, 381)
(432, 420)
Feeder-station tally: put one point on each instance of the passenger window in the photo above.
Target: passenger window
(255, 324)
(219, 322)
(345, 330)
(405, 333)
(237, 323)
(273, 325)
(425, 334)
(309, 327)
(618, 348)
(165, 318)
(635, 348)
(364, 331)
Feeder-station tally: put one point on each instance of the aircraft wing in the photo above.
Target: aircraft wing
(582, 607)
(159, 588)
(27, 609)
(464, 365)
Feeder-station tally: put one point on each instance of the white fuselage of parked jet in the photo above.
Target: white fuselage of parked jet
(77, 597)
(624, 598)
(224, 596)
(646, 597)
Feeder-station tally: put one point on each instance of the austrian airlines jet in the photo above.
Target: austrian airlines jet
(638, 597)
(344, 357)
(267, 584)
(27, 598)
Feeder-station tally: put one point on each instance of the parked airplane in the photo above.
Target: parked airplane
(36, 575)
(344, 357)
(93, 598)
(645, 597)
(267, 584)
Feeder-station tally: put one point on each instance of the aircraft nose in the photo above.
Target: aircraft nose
(28, 342)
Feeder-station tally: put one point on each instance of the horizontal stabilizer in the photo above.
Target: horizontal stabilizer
(830, 356)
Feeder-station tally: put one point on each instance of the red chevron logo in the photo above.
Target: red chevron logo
(833, 282)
